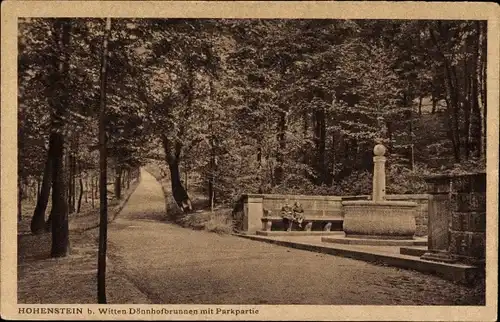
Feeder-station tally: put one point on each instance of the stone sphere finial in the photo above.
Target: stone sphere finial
(379, 150)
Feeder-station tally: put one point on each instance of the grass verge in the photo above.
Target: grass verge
(219, 221)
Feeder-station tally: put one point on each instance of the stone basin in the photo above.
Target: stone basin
(380, 219)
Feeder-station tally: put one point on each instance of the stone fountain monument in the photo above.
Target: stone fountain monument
(371, 222)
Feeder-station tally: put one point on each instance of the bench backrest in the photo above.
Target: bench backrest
(313, 206)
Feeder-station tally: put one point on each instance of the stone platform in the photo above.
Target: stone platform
(388, 255)
(341, 239)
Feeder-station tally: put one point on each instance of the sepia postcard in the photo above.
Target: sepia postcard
(249, 160)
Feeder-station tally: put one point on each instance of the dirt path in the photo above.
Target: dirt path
(171, 264)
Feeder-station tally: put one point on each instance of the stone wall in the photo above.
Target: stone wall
(252, 207)
(457, 217)
(468, 217)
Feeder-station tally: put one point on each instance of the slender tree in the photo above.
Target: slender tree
(59, 211)
(103, 197)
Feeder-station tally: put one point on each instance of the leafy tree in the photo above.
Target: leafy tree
(255, 105)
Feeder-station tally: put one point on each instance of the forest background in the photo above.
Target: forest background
(231, 106)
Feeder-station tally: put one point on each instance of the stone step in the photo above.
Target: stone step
(413, 251)
(375, 242)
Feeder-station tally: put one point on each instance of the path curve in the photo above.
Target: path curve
(171, 264)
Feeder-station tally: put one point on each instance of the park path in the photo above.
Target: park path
(170, 264)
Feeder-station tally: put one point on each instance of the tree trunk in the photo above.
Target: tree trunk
(476, 121)
(467, 113)
(388, 125)
(211, 183)
(103, 153)
(259, 156)
(281, 136)
(96, 188)
(451, 96)
(92, 193)
(73, 181)
(186, 179)
(213, 163)
(38, 219)
(58, 219)
(355, 152)
(118, 181)
(179, 193)
(38, 187)
(454, 143)
(59, 212)
(80, 195)
(69, 180)
(19, 201)
(454, 92)
(484, 54)
(305, 135)
(320, 143)
(420, 104)
(259, 177)
(86, 189)
(412, 148)
(211, 180)
(172, 157)
(211, 193)
(434, 103)
(334, 170)
(124, 179)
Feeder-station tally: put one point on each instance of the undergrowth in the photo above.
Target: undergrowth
(219, 221)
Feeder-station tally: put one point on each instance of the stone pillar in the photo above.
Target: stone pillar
(253, 213)
(378, 193)
(439, 188)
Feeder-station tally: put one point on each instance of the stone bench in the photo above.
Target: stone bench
(251, 208)
(307, 223)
